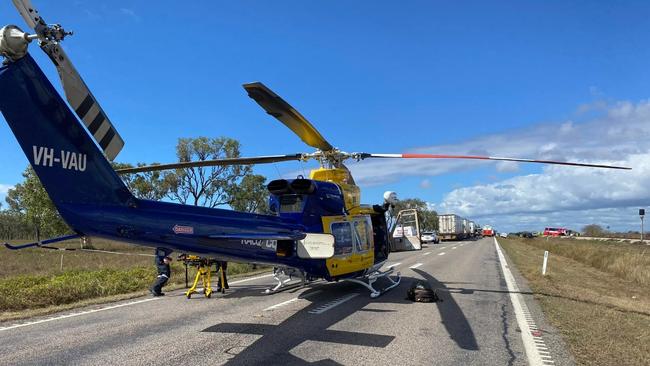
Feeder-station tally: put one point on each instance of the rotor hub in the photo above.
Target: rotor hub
(13, 43)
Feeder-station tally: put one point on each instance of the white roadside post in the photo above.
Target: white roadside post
(641, 214)
(544, 264)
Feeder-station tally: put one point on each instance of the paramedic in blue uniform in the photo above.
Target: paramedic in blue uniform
(164, 271)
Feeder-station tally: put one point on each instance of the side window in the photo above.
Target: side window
(363, 235)
(342, 238)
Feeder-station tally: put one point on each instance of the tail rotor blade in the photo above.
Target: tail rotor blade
(477, 157)
(76, 91)
(28, 12)
(84, 103)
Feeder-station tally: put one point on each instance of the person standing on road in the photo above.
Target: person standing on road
(164, 272)
(223, 266)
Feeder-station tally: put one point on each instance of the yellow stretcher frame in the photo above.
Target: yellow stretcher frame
(203, 273)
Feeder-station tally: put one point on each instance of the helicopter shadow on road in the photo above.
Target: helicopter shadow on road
(277, 341)
(242, 291)
(451, 314)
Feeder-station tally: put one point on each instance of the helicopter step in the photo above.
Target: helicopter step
(369, 279)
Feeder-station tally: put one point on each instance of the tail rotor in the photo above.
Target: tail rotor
(13, 46)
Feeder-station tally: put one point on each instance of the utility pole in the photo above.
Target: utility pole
(641, 214)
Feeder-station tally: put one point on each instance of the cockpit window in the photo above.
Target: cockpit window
(292, 203)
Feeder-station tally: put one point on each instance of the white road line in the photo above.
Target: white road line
(332, 304)
(78, 314)
(443, 253)
(415, 265)
(291, 301)
(427, 253)
(534, 358)
(394, 265)
(251, 279)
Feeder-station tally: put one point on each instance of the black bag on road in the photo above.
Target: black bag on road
(420, 291)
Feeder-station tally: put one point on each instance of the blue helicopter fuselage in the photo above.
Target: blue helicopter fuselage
(94, 201)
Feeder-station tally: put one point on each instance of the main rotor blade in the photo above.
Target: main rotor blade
(476, 157)
(216, 162)
(285, 113)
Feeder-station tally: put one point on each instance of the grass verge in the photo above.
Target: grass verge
(34, 281)
(595, 294)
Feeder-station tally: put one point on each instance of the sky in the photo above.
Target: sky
(563, 80)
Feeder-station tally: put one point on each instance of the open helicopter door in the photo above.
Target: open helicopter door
(405, 234)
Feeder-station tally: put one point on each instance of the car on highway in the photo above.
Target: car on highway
(503, 235)
(430, 237)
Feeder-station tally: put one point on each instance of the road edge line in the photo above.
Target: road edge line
(534, 357)
(75, 314)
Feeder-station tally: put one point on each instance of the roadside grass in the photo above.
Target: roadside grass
(628, 261)
(32, 278)
(38, 261)
(595, 294)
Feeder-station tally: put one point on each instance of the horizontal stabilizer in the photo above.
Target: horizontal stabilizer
(42, 243)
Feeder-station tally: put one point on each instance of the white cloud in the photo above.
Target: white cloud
(4, 188)
(568, 196)
(622, 130)
(425, 184)
(507, 166)
(556, 189)
(130, 13)
(560, 195)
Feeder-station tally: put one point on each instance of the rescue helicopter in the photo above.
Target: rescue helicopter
(319, 227)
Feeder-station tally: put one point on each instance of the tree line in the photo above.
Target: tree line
(29, 207)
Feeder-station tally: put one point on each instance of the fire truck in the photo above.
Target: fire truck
(488, 231)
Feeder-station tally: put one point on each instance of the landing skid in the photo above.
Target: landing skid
(368, 280)
(283, 276)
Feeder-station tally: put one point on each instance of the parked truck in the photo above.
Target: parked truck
(472, 229)
(451, 227)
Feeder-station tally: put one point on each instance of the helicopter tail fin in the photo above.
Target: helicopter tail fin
(69, 164)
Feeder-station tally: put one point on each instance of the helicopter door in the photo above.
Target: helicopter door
(406, 232)
(353, 246)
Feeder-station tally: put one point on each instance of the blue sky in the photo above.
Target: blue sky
(506, 78)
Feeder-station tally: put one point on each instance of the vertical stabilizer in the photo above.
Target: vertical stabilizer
(71, 167)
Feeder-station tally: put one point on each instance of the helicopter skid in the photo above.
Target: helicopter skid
(283, 276)
(368, 280)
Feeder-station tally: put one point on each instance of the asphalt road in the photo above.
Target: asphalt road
(323, 324)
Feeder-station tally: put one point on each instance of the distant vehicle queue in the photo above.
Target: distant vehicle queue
(455, 227)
